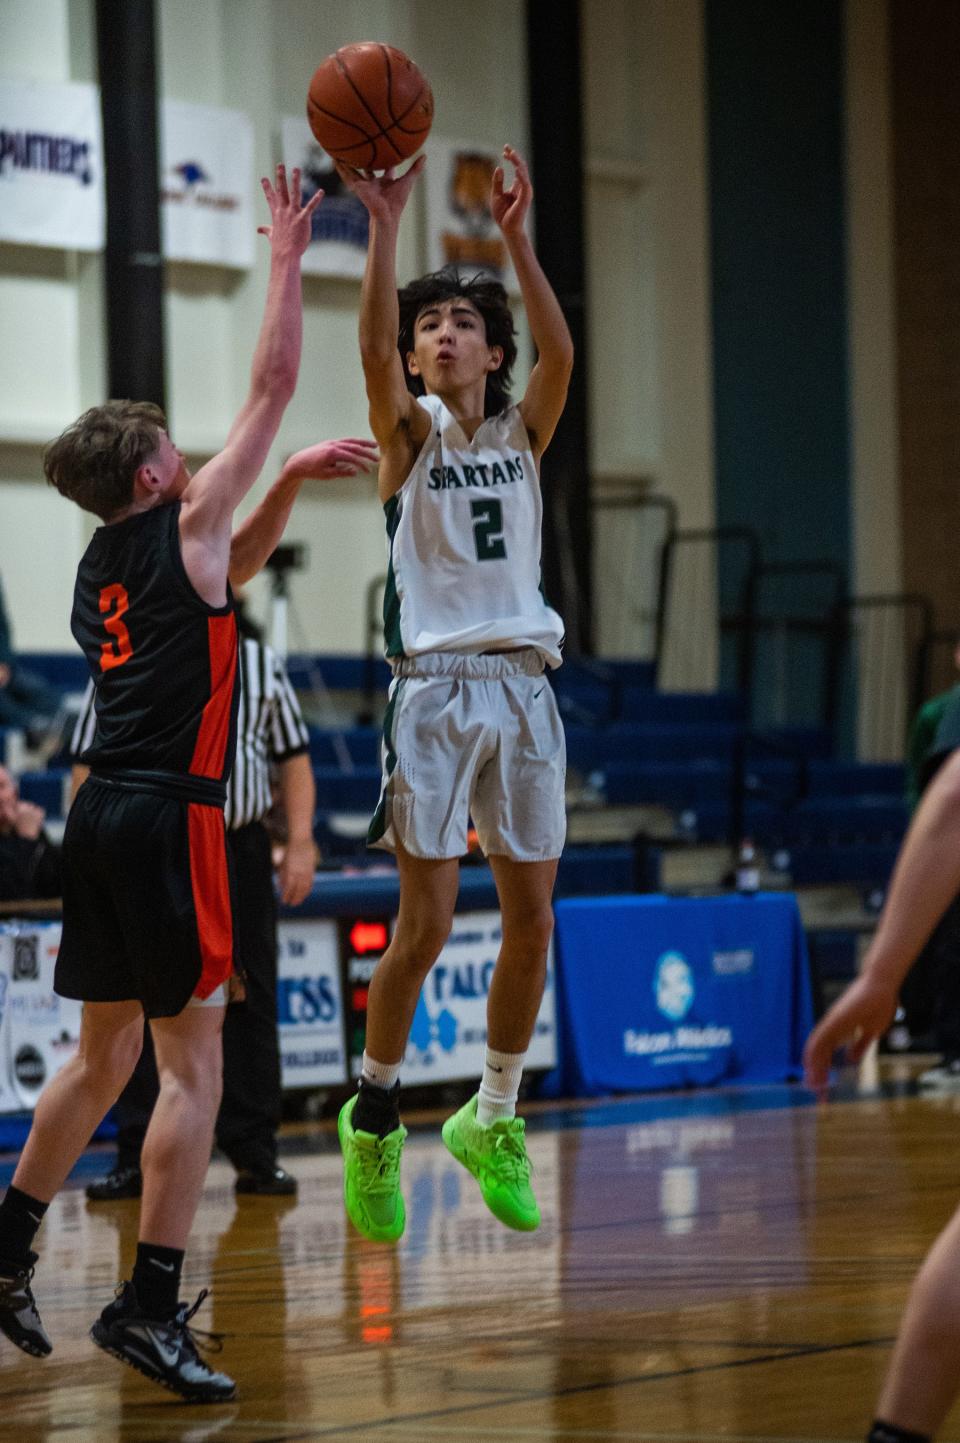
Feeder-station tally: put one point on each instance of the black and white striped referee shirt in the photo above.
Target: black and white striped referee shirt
(270, 728)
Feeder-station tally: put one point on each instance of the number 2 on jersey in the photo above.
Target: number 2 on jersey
(488, 529)
(116, 652)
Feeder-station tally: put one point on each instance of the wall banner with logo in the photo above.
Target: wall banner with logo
(460, 228)
(310, 1004)
(39, 1031)
(448, 1038)
(340, 224)
(206, 185)
(51, 165)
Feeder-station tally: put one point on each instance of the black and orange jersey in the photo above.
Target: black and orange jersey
(163, 662)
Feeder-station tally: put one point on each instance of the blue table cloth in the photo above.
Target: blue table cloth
(657, 992)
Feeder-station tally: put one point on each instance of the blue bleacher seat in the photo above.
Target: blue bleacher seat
(866, 863)
(362, 744)
(45, 789)
(355, 791)
(845, 779)
(681, 708)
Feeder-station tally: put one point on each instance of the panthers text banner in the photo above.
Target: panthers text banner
(51, 165)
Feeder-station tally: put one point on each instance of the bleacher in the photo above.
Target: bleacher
(816, 821)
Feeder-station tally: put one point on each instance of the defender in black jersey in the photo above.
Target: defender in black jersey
(147, 918)
(158, 777)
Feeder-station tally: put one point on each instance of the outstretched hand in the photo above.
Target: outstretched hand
(330, 459)
(290, 227)
(509, 207)
(383, 195)
(855, 1020)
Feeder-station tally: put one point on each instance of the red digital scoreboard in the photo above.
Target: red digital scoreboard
(363, 941)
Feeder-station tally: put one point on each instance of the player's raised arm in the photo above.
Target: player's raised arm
(255, 539)
(925, 880)
(213, 494)
(393, 410)
(546, 391)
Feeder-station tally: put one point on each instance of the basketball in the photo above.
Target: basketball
(369, 105)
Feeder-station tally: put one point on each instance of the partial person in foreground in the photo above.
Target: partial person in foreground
(147, 916)
(923, 1379)
(472, 726)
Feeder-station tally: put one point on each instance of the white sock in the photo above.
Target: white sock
(381, 1074)
(500, 1086)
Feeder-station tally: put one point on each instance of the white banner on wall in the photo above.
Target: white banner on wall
(206, 185)
(340, 225)
(460, 228)
(51, 165)
(448, 1038)
(310, 1004)
(39, 1031)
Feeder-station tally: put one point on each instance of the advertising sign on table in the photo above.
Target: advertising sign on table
(40, 1031)
(310, 1004)
(460, 228)
(51, 165)
(660, 992)
(340, 225)
(448, 1038)
(206, 185)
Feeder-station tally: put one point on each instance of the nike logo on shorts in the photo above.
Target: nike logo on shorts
(539, 693)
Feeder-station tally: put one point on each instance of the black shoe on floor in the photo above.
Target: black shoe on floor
(273, 1181)
(120, 1182)
(164, 1350)
(19, 1318)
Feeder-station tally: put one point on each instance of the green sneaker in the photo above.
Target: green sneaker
(497, 1157)
(371, 1178)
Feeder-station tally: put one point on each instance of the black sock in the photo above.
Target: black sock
(377, 1109)
(156, 1279)
(20, 1217)
(890, 1433)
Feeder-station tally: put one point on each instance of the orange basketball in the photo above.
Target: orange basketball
(369, 105)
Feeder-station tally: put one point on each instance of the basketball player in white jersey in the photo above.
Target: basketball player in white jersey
(471, 726)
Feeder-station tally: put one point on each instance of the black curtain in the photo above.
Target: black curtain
(553, 73)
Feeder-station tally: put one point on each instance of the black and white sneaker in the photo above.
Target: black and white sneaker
(162, 1349)
(19, 1318)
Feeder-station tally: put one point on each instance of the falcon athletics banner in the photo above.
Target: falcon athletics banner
(51, 165)
(338, 246)
(206, 185)
(448, 1038)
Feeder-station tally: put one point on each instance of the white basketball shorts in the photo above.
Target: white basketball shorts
(472, 736)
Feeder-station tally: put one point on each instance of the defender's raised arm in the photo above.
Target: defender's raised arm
(213, 494)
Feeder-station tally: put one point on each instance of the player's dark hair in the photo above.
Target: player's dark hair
(95, 460)
(490, 299)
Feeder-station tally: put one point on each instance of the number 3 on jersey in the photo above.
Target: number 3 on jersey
(114, 599)
(488, 529)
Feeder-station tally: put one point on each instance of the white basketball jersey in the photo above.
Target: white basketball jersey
(464, 534)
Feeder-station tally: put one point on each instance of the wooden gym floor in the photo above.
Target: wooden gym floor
(726, 1265)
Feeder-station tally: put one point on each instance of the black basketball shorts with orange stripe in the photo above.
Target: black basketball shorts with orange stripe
(147, 899)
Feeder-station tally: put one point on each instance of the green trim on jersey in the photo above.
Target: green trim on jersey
(391, 602)
(378, 822)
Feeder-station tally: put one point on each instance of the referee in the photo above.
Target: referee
(270, 729)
